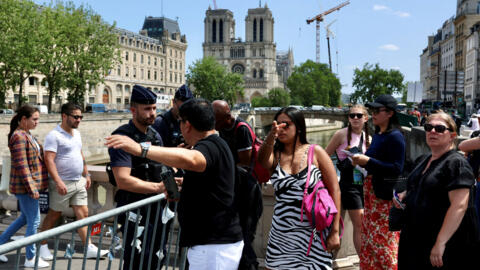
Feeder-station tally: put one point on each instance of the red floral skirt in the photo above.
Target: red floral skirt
(379, 245)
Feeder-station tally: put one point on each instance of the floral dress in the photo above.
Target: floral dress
(379, 245)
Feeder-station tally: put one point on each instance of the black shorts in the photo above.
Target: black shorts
(352, 196)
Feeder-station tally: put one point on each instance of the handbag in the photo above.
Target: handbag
(319, 206)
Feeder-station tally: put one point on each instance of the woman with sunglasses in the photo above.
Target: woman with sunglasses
(285, 151)
(383, 159)
(28, 177)
(435, 203)
(354, 139)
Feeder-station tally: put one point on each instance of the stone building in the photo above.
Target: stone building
(154, 58)
(255, 57)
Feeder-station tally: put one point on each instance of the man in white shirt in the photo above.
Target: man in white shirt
(69, 177)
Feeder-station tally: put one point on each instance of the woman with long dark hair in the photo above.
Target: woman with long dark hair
(383, 160)
(28, 177)
(284, 151)
(354, 139)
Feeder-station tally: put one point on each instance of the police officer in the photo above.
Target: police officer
(133, 175)
(167, 124)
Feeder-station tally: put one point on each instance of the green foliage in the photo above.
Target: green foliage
(314, 83)
(71, 46)
(211, 80)
(260, 102)
(372, 81)
(277, 97)
(19, 42)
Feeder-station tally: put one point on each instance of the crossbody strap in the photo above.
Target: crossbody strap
(311, 151)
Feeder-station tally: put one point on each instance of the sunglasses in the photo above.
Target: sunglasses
(287, 124)
(353, 115)
(76, 117)
(438, 128)
(378, 110)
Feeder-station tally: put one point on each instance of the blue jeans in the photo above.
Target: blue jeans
(30, 215)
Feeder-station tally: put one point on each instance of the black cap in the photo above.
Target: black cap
(143, 95)
(386, 101)
(183, 93)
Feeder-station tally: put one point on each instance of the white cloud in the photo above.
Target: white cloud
(389, 47)
(380, 7)
(402, 14)
(395, 68)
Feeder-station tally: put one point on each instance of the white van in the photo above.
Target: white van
(42, 108)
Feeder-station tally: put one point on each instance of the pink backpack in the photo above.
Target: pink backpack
(319, 206)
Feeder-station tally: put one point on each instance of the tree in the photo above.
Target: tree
(212, 81)
(372, 81)
(313, 83)
(277, 97)
(93, 51)
(19, 45)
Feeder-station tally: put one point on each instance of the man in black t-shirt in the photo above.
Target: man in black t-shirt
(238, 138)
(207, 214)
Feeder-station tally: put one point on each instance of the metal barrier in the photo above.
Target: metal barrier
(115, 242)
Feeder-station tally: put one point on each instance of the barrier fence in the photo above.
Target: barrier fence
(117, 244)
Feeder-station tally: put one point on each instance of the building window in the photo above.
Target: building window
(91, 99)
(171, 52)
(260, 74)
(119, 100)
(180, 65)
(176, 53)
(119, 71)
(161, 62)
(170, 76)
(145, 45)
(261, 30)
(148, 74)
(155, 61)
(148, 60)
(254, 52)
(175, 77)
(170, 64)
(126, 56)
(126, 72)
(141, 74)
(134, 72)
(134, 57)
(237, 52)
(254, 30)
(175, 64)
(238, 68)
(32, 99)
(220, 31)
(127, 90)
(138, 43)
(141, 59)
(155, 75)
(130, 42)
(32, 81)
(214, 31)
(254, 73)
(161, 76)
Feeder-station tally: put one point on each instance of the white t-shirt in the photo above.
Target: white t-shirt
(68, 148)
(475, 125)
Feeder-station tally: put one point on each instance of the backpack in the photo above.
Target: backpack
(258, 171)
(319, 205)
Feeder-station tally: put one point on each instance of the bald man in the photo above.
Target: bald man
(238, 138)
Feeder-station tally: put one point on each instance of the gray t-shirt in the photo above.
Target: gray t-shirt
(69, 159)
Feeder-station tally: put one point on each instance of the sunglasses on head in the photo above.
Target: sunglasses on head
(438, 128)
(378, 110)
(353, 115)
(76, 117)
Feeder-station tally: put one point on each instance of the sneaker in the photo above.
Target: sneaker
(3, 258)
(45, 253)
(92, 252)
(31, 263)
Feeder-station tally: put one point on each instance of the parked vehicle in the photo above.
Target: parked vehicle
(6, 111)
(96, 108)
(42, 108)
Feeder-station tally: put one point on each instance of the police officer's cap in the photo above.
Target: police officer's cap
(143, 95)
(183, 93)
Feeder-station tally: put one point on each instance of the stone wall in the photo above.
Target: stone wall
(93, 128)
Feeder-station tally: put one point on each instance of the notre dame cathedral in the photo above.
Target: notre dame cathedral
(256, 57)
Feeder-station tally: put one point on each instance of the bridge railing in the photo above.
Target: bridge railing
(117, 244)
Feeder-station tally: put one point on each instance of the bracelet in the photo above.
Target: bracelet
(87, 175)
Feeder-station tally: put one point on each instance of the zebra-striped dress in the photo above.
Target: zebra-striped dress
(289, 237)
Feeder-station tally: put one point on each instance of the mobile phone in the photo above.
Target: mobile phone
(397, 199)
(348, 153)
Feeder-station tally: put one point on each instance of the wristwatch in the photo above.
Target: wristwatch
(145, 146)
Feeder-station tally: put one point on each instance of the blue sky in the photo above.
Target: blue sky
(389, 32)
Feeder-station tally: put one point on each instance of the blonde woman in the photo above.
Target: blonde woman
(355, 139)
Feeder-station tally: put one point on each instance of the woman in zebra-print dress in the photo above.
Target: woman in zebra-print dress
(285, 152)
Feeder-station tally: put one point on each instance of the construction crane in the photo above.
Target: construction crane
(329, 34)
(319, 18)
